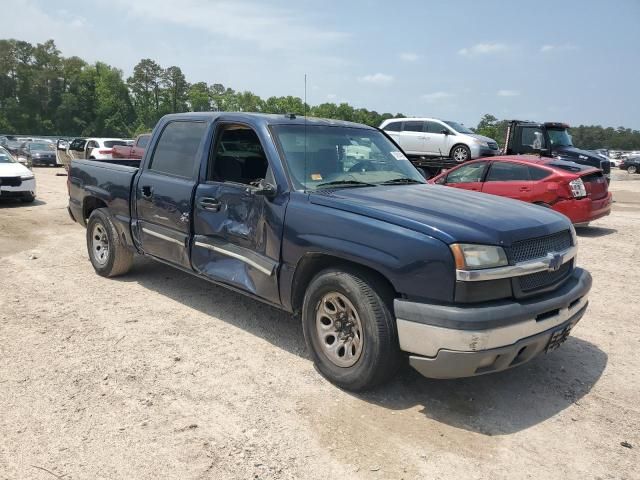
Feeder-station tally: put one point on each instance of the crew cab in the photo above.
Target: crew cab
(132, 151)
(550, 139)
(577, 191)
(329, 220)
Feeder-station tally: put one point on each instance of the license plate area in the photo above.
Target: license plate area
(558, 337)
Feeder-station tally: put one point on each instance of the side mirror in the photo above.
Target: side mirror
(266, 190)
(444, 131)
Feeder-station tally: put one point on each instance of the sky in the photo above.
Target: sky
(571, 61)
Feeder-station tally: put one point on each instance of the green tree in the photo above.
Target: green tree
(199, 97)
(176, 89)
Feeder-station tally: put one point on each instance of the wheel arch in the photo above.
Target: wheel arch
(313, 263)
(89, 204)
(460, 144)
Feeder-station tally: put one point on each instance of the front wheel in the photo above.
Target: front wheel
(108, 255)
(632, 169)
(460, 153)
(349, 329)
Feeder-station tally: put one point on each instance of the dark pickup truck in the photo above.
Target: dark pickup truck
(330, 221)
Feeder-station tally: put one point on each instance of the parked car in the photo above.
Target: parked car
(95, 148)
(431, 137)
(550, 139)
(39, 153)
(375, 261)
(577, 191)
(16, 180)
(136, 150)
(631, 164)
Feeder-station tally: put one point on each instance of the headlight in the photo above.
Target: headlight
(475, 257)
(480, 142)
(27, 177)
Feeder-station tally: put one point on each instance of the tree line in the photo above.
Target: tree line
(45, 93)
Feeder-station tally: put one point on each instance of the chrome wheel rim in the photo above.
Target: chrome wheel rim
(100, 244)
(339, 330)
(459, 154)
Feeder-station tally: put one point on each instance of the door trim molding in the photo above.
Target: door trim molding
(161, 236)
(257, 261)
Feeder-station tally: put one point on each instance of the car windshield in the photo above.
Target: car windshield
(113, 143)
(39, 146)
(458, 127)
(560, 138)
(320, 157)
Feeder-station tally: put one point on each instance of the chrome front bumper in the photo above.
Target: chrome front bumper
(451, 342)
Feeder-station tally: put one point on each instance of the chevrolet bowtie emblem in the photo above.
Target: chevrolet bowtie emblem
(555, 261)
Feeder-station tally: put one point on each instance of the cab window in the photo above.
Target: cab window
(238, 157)
(176, 151)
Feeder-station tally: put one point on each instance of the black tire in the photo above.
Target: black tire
(632, 169)
(460, 153)
(28, 198)
(119, 258)
(380, 355)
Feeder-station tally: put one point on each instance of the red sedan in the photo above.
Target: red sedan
(577, 191)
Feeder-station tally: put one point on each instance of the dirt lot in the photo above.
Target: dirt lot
(161, 375)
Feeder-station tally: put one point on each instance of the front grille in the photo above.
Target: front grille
(536, 281)
(10, 181)
(539, 247)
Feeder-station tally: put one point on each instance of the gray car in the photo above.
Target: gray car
(431, 137)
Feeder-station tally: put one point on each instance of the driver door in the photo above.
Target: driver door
(237, 229)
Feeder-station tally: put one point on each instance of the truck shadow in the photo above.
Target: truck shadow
(496, 404)
(505, 402)
(16, 203)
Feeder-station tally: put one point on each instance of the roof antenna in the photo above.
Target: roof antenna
(304, 109)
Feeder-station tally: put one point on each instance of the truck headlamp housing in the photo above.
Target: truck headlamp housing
(27, 176)
(476, 257)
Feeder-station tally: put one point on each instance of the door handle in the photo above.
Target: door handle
(147, 192)
(210, 204)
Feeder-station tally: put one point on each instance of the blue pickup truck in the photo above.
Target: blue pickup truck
(329, 220)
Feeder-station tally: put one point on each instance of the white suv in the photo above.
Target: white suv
(430, 137)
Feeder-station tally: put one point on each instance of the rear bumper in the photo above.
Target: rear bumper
(584, 210)
(452, 342)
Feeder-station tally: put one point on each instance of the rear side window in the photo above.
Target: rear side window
(413, 126)
(538, 173)
(508, 172)
(393, 127)
(175, 153)
(113, 143)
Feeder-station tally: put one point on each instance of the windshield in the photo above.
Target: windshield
(560, 138)
(342, 157)
(39, 146)
(113, 143)
(458, 127)
(5, 157)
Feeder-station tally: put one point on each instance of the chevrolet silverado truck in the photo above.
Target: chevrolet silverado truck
(378, 265)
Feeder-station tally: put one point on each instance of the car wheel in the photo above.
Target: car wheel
(460, 153)
(350, 330)
(108, 255)
(28, 198)
(632, 169)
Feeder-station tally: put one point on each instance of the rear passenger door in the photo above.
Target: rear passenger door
(164, 191)
(238, 231)
(509, 179)
(412, 137)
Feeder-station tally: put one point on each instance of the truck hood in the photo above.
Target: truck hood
(574, 153)
(446, 213)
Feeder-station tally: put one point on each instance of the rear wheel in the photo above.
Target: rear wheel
(460, 153)
(108, 255)
(350, 330)
(632, 169)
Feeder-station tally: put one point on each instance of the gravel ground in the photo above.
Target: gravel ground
(161, 375)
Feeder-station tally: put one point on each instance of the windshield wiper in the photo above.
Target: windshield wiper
(351, 183)
(400, 180)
